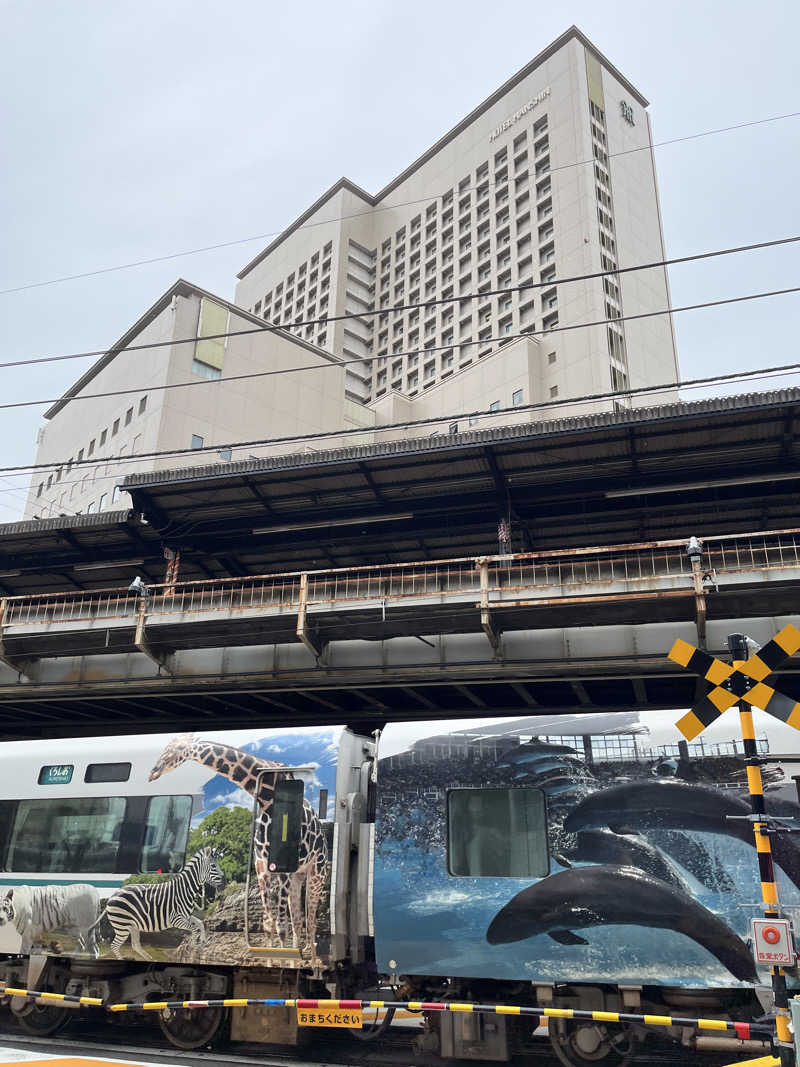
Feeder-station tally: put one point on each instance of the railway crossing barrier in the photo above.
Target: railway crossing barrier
(742, 1030)
(742, 682)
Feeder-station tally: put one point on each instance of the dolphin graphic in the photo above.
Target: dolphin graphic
(695, 857)
(616, 896)
(675, 806)
(604, 847)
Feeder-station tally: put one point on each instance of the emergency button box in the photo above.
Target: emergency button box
(773, 943)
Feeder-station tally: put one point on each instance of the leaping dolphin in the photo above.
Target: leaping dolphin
(674, 805)
(616, 896)
(603, 847)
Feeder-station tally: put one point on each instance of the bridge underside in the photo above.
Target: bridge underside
(580, 669)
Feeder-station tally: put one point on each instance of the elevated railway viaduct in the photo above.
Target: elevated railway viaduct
(364, 583)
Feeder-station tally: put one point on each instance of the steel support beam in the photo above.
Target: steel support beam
(142, 644)
(305, 633)
(4, 657)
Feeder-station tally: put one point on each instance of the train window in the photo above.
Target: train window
(497, 833)
(107, 772)
(285, 825)
(165, 835)
(69, 835)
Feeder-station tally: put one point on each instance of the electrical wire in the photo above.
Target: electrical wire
(545, 405)
(397, 310)
(386, 207)
(507, 338)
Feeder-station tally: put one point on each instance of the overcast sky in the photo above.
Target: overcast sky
(135, 130)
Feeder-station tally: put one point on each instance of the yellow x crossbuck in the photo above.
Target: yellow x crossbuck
(745, 681)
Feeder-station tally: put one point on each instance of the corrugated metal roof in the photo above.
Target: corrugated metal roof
(66, 522)
(470, 438)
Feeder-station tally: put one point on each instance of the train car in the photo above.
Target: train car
(577, 861)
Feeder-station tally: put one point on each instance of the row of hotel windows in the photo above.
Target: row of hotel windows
(303, 295)
(493, 267)
(96, 442)
(618, 364)
(517, 399)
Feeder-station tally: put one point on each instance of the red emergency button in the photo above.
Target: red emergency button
(771, 935)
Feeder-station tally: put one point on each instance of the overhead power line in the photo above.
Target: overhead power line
(386, 207)
(438, 420)
(506, 338)
(272, 327)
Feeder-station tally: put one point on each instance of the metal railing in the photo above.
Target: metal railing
(615, 570)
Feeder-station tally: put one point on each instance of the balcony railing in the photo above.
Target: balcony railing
(617, 570)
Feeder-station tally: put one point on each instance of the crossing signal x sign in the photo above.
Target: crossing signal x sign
(743, 682)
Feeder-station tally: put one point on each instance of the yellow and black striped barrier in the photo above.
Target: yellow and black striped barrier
(64, 998)
(743, 1031)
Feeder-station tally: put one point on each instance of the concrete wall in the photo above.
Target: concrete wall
(221, 412)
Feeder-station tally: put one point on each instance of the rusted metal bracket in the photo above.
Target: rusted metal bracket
(143, 645)
(306, 633)
(487, 623)
(7, 660)
(700, 612)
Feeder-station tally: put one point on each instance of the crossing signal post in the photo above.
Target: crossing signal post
(743, 682)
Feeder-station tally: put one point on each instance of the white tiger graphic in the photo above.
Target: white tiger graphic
(32, 910)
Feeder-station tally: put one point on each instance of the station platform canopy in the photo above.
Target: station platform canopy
(706, 467)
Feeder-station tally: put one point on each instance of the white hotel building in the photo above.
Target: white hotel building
(553, 176)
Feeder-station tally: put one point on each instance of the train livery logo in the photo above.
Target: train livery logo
(745, 681)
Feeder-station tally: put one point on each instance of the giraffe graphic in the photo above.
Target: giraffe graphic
(277, 890)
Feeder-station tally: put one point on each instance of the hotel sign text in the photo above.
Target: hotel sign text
(531, 104)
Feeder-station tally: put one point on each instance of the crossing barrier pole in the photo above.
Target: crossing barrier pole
(737, 646)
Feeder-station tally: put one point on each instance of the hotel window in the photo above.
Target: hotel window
(452, 428)
(90, 508)
(89, 451)
(103, 501)
(553, 390)
(474, 420)
(494, 406)
(114, 432)
(142, 406)
(197, 441)
(39, 490)
(551, 357)
(516, 398)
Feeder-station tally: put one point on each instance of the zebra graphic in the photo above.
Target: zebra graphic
(140, 909)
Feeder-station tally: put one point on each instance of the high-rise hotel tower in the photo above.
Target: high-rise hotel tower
(553, 176)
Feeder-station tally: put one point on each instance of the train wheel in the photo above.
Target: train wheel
(191, 1028)
(44, 1020)
(579, 1044)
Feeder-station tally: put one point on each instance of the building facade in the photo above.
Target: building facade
(410, 300)
(552, 177)
(92, 441)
